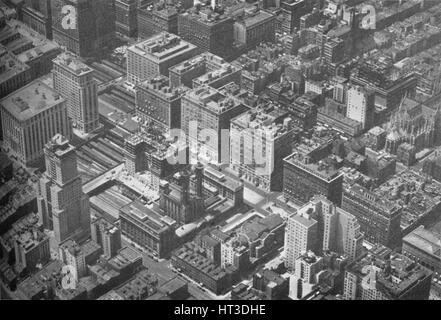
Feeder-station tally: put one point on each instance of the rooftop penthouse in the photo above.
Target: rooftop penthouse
(72, 63)
(264, 118)
(211, 99)
(394, 274)
(10, 66)
(160, 86)
(206, 16)
(31, 100)
(59, 146)
(210, 77)
(162, 46)
(375, 200)
(208, 60)
(324, 169)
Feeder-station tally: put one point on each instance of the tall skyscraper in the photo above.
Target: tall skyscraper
(37, 15)
(74, 81)
(259, 141)
(300, 237)
(62, 205)
(86, 27)
(30, 117)
(107, 235)
(322, 226)
(72, 255)
(361, 106)
(206, 107)
(126, 17)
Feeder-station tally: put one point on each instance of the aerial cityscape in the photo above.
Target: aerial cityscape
(220, 150)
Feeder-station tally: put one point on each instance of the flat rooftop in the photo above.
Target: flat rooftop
(162, 46)
(211, 99)
(72, 63)
(31, 100)
(323, 169)
(10, 66)
(148, 214)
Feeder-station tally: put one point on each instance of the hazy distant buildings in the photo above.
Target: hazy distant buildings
(31, 116)
(62, 205)
(75, 82)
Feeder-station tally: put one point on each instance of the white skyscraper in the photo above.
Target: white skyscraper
(300, 237)
(339, 231)
(360, 105)
(62, 205)
(75, 82)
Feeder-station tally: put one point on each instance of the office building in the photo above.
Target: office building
(320, 226)
(154, 56)
(185, 72)
(384, 275)
(301, 236)
(191, 259)
(361, 106)
(62, 205)
(157, 102)
(126, 18)
(208, 30)
(255, 26)
(31, 116)
(305, 280)
(148, 228)
(379, 218)
(31, 249)
(156, 18)
(71, 254)
(91, 29)
(75, 82)
(424, 246)
(259, 141)
(206, 107)
(178, 202)
(304, 178)
(107, 235)
(15, 74)
(292, 11)
(37, 15)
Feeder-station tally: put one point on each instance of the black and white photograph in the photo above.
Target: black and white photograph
(219, 158)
